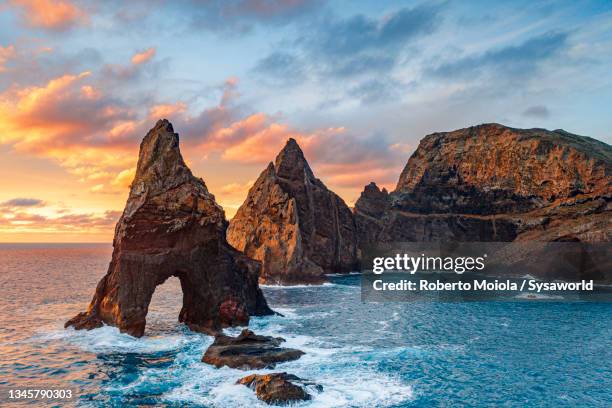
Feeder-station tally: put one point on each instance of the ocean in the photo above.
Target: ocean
(500, 354)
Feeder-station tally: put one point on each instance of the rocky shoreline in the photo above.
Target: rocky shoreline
(460, 186)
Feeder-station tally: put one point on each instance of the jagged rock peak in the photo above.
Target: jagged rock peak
(160, 163)
(293, 224)
(373, 201)
(291, 164)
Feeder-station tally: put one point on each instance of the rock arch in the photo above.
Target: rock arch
(172, 226)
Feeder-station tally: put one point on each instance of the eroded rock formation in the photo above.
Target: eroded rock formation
(495, 183)
(279, 388)
(293, 224)
(172, 226)
(249, 351)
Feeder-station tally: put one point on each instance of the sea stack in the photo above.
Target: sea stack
(495, 183)
(293, 224)
(172, 226)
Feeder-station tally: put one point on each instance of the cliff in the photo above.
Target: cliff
(172, 226)
(293, 224)
(495, 183)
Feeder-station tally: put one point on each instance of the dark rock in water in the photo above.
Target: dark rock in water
(172, 226)
(278, 388)
(248, 351)
(495, 183)
(293, 224)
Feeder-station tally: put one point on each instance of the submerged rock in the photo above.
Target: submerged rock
(172, 226)
(293, 224)
(278, 388)
(248, 351)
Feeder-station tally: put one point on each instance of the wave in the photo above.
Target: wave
(108, 339)
(537, 296)
(345, 371)
(301, 286)
(343, 274)
(345, 383)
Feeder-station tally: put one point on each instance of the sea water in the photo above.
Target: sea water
(525, 353)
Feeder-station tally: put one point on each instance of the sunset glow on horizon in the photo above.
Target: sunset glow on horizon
(357, 84)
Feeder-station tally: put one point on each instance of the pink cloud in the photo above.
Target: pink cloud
(6, 53)
(51, 14)
(144, 56)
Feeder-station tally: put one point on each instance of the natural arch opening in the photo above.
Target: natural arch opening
(165, 307)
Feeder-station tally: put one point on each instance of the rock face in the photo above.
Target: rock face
(495, 183)
(278, 388)
(293, 224)
(172, 226)
(248, 351)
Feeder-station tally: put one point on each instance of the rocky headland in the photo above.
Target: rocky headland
(293, 224)
(172, 226)
(495, 183)
(492, 183)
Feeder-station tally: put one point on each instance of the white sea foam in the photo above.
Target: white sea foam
(344, 370)
(108, 339)
(343, 274)
(344, 384)
(537, 296)
(286, 312)
(302, 286)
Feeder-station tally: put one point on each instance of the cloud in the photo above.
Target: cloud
(140, 63)
(360, 34)
(6, 53)
(251, 140)
(281, 67)
(94, 135)
(57, 15)
(237, 188)
(64, 112)
(510, 61)
(35, 216)
(167, 110)
(241, 16)
(58, 221)
(22, 202)
(144, 56)
(124, 178)
(71, 120)
(361, 50)
(537, 111)
(339, 157)
(376, 90)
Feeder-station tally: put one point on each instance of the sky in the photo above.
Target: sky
(356, 83)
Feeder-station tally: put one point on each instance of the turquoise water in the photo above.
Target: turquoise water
(513, 354)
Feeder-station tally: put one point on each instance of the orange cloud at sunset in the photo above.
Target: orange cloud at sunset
(70, 122)
(234, 188)
(50, 14)
(166, 110)
(143, 56)
(75, 121)
(337, 157)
